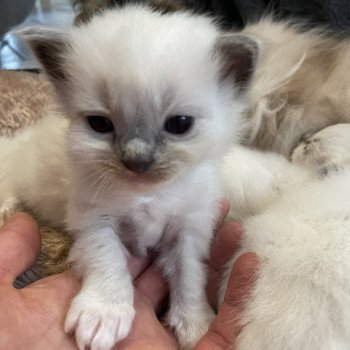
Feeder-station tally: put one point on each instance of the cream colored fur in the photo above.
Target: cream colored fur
(34, 169)
(330, 145)
(302, 84)
(297, 220)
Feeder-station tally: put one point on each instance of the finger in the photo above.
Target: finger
(58, 291)
(225, 328)
(224, 209)
(241, 280)
(226, 242)
(147, 332)
(138, 265)
(19, 245)
(153, 286)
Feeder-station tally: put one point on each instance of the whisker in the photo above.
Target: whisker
(104, 177)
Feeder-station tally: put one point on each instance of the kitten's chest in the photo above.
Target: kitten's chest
(142, 226)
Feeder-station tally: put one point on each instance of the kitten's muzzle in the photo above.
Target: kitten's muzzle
(138, 165)
(137, 154)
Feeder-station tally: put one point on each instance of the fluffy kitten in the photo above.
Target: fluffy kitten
(154, 101)
(301, 85)
(297, 220)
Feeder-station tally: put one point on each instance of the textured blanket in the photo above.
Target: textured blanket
(24, 99)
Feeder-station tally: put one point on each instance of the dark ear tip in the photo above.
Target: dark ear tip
(239, 55)
(49, 46)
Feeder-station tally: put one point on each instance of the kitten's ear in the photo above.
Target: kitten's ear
(238, 55)
(49, 46)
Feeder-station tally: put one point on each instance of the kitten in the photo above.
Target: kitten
(301, 85)
(296, 219)
(153, 103)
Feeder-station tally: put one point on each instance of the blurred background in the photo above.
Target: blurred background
(330, 14)
(16, 13)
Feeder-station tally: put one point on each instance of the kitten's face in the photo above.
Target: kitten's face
(149, 129)
(146, 95)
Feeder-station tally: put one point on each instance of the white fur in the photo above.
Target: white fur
(300, 231)
(34, 169)
(330, 145)
(301, 85)
(138, 68)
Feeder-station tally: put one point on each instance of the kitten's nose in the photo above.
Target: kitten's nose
(137, 165)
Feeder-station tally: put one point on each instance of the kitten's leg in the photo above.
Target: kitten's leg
(183, 263)
(102, 312)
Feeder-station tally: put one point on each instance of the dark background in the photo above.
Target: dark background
(333, 13)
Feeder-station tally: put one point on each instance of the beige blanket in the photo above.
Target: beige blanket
(24, 99)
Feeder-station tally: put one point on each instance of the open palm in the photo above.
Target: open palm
(33, 317)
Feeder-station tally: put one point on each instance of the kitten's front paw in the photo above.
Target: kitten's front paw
(98, 325)
(190, 327)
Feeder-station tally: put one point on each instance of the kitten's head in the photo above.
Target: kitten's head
(150, 96)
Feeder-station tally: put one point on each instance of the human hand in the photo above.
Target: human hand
(37, 312)
(33, 317)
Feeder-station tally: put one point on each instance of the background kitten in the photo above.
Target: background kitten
(154, 102)
(34, 170)
(296, 219)
(301, 85)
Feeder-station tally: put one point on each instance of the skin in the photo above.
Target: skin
(33, 317)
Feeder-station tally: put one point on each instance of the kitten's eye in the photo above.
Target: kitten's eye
(178, 124)
(102, 125)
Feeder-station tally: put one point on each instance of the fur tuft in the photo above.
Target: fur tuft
(302, 85)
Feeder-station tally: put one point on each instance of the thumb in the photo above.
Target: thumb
(223, 332)
(19, 246)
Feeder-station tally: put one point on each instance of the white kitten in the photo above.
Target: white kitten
(153, 101)
(297, 220)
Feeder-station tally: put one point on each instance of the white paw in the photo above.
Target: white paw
(98, 325)
(329, 145)
(190, 327)
(309, 152)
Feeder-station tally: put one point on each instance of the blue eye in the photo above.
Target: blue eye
(101, 125)
(179, 124)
